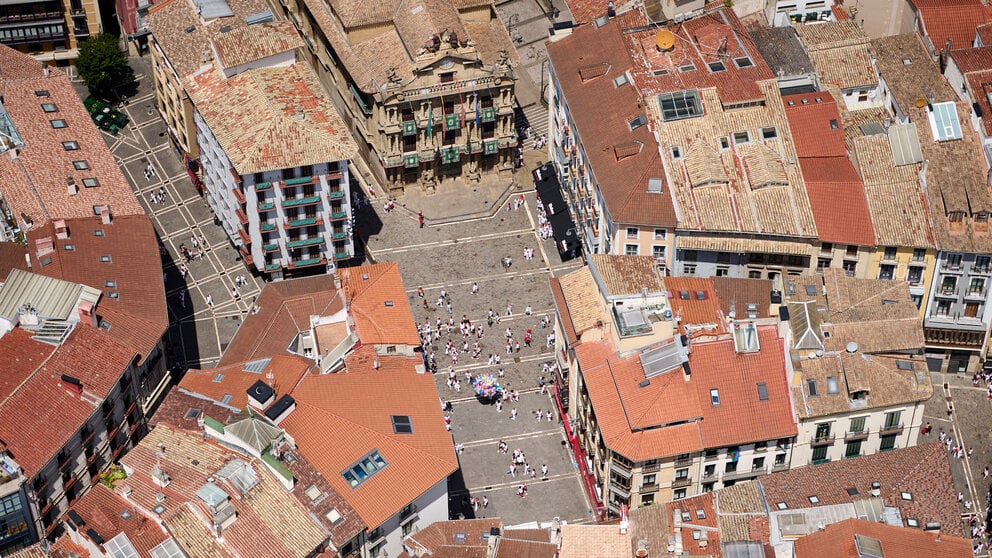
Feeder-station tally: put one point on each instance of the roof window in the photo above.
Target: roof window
(680, 105)
(49, 107)
(402, 424)
(364, 469)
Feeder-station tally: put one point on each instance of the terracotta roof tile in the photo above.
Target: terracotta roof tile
(896, 202)
(438, 538)
(582, 298)
(256, 117)
(247, 44)
(838, 200)
(699, 41)
(269, 521)
(626, 275)
(736, 294)
(922, 471)
(956, 20)
(137, 316)
(700, 316)
(561, 306)
(814, 121)
(911, 82)
(379, 304)
(972, 59)
(593, 541)
(979, 88)
(604, 128)
(984, 32)
(957, 181)
(234, 380)
(741, 417)
(838, 540)
(35, 182)
(354, 409)
(185, 38)
(101, 509)
(12, 257)
(840, 53)
(38, 415)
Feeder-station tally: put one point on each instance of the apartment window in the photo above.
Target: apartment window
(850, 268)
(917, 300)
(631, 249)
(970, 310)
(632, 232)
(724, 143)
(681, 474)
(708, 486)
(742, 137)
(977, 286)
(730, 467)
(857, 425)
(890, 253)
(887, 442)
(688, 269)
(679, 494)
(887, 271)
(722, 271)
(660, 234)
(954, 261)
(714, 397)
(70, 145)
(948, 285)
(982, 264)
(780, 459)
(658, 251)
(709, 471)
(853, 449)
(822, 431)
(647, 499)
(914, 276)
(821, 264)
(649, 480)
(769, 133)
(758, 463)
(943, 308)
(892, 419)
(57, 123)
(820, 454)
(919, 254)
(80, 165)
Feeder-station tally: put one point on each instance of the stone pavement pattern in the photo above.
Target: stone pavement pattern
(198, 333)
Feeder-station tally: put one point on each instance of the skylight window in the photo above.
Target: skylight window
(782, 506)
(637, 122)
(717, 67)
(690, 67)
(57, 123)
(743, 62)
(91, 182)
(364, 469)
(814, 500)
(680, 105)
(762, 391)
(714, 397)
(402, 424)
(811, 388)
(49, 107)
(659, 73)
(80, 165)
(832, 385)
(620, 80)
(70, 145)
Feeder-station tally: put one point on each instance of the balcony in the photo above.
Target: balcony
(305, 242)
(245, 237)
(682, 483)
(271, 247)
(888, 430)
(296, 202)
(748, 474)
(266, 227)
(238, 195)
(337, 195)
(266, 206)
(780, 467)
(298, 181)
(302, 222)
(620, 490)
(339, 216)
(340, 236)
(273, 267)
(339, 256)
(408, 511)
(263, 186)
(308, 262)
(683, 461)
(240, 214)
(855, 436)
(823, 440)
(616, 468)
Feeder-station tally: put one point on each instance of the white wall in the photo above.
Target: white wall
(911, 419)
(432, 506)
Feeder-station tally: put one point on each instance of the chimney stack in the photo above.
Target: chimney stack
(105, 215)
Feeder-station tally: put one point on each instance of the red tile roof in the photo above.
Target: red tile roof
(973, 59)
(38, 416)
(354, 409)
(956, 20)
(602, 128)
(984, 32)
(838, 540)
(976, 65)
(101, 509)
(980, 86)
(922, 471)
(741, 417)
(736, 293)
(35, 183)
(699, 41)
(287, 371)
(692, 311)
(138, 316)
(12, 257)
(285, 308)
(814, 120)
(836, 193)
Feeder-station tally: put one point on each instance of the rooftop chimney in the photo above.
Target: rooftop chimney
(70, 185)
(61, 230)
(105, 215)
(87, 313)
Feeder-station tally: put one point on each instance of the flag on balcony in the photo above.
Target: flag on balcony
(461, 101)
(737, 455)
(430, 120)
(478, 117)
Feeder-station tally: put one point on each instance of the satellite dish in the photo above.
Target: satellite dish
(852, 347)
(920, 103)
(664, 39)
